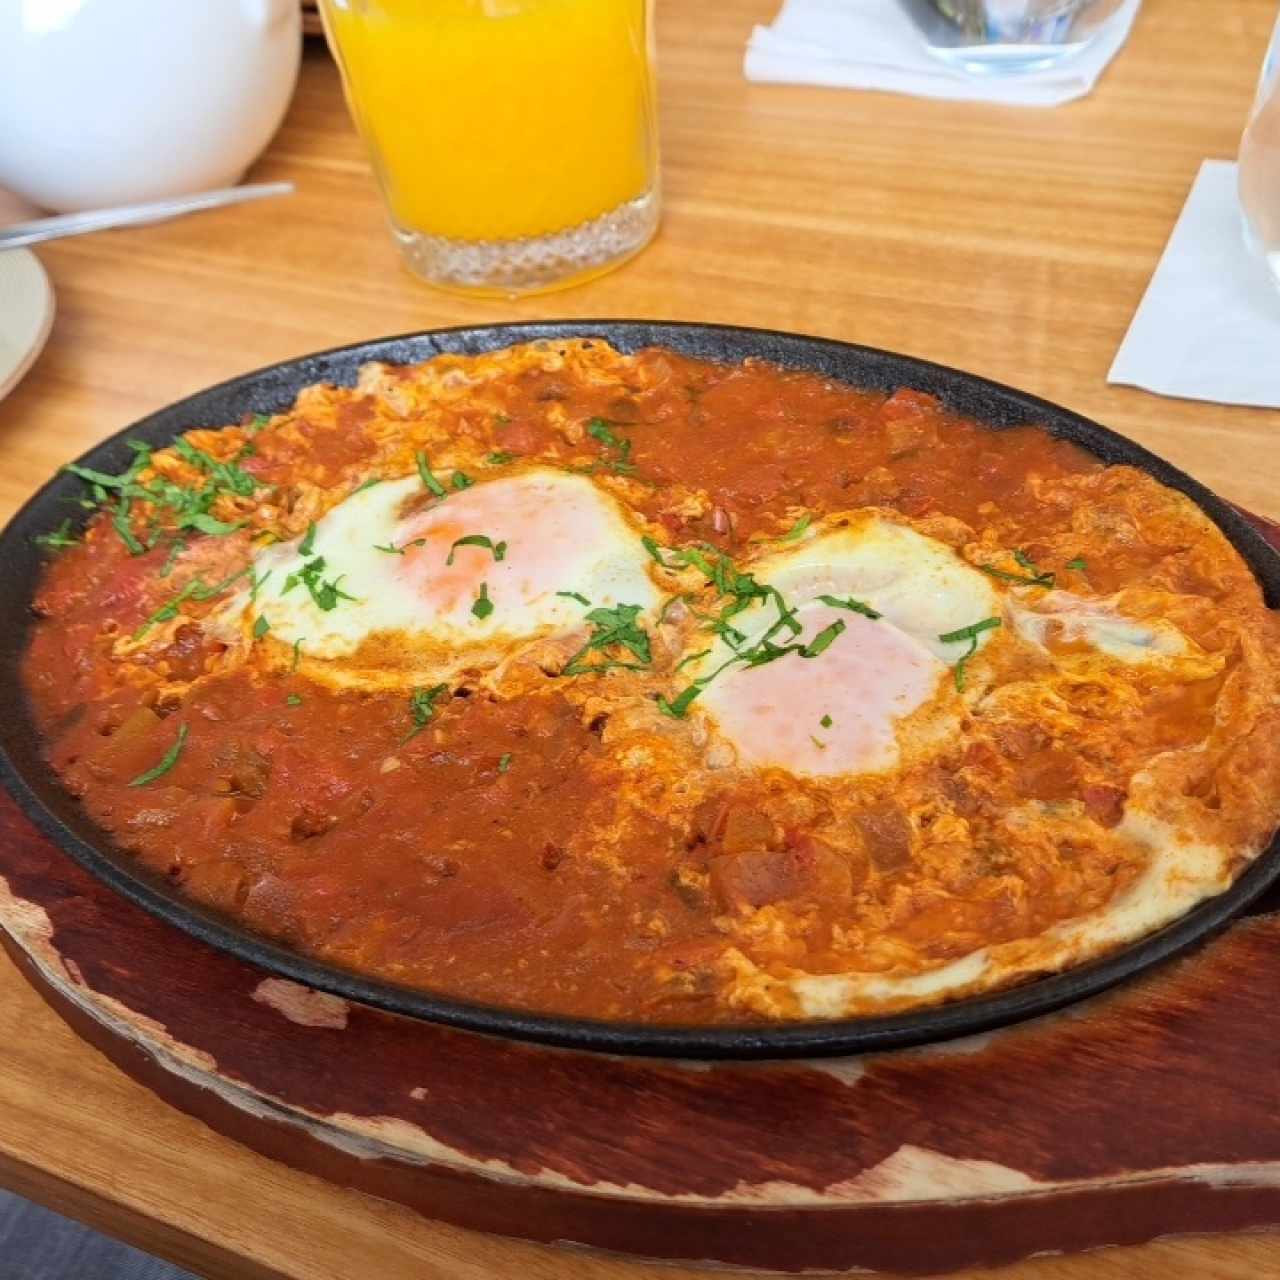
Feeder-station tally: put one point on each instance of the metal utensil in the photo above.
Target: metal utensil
(132, 215)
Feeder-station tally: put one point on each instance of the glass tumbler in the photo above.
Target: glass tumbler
(515, 141)
(995, 37)
(1259, 169)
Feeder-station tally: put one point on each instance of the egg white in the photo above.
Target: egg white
(842, 711)
(562, 535)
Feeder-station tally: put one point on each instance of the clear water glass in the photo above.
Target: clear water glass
(1007, 37)
(1259, 167)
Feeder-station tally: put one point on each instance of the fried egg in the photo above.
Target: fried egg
(397, 580)
(844, 709)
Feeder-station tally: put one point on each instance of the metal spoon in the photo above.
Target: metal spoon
(131, 215)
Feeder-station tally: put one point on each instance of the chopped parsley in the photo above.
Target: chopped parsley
(740, 591)
(368, 484)
(189, 508)
(260, 420)
(308, 542)
(971, 634)
(167, 761)
(826, 722)
(226, 476)
(1076, 564)
(325, 595)
(256, 583)
(197, 589)
(261, 626)
(617, 449)
(499, 549)
(57, 538)
(482, 606)
(854, 606)
(176, 548)
(612, 629)
(392, 550)
(575, 595)
(293, 700)
(692, 657)
(422, 709)
(504, 763)
(428, 480)
(461, 480)
(297, 655)
(501, 458)
(797, 530)
(1032, 578)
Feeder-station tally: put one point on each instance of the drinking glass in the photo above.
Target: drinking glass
(994, 37)
(515, 141)
(1259, 168)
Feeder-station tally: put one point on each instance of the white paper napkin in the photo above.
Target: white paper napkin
(874, 44)
(1208, 327)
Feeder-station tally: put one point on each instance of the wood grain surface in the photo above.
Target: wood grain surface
(1015, 243)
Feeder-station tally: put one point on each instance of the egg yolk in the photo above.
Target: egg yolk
(832, 714)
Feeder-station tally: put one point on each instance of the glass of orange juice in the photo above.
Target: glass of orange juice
(515, 141)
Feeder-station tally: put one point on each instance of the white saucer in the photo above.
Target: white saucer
(26, 314)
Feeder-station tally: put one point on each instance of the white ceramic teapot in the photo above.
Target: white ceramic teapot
(106, 102)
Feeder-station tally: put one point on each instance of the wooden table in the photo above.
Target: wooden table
(1015, 243)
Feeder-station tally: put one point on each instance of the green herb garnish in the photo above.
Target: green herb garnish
(422, 709)
(797, 530)
(293, 700)
(392, 550)
(197, 589)
(256, 584)
(826, 722)
(1076, 564)
(854, 606)
(614, 628)
(176, 548)
(57, 538)
(167, 761)
(260, 420)
(297, 655)
(501, 458)
(309, 540)
(575, 595)
(428, 480)
(971, 634)
(261, 627)
(504, 763)
(461, 480)
(692, 657)
(225, 475)
(499, 549)
(740, 590)
(1033, 578)
(325, 595)
(368, 484)
(618, 447)
(482, 606)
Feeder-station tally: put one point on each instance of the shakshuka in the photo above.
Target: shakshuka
(643, 688)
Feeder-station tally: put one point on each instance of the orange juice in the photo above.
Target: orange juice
(495, 120)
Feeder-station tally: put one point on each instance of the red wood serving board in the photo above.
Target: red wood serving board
(1151, 1110)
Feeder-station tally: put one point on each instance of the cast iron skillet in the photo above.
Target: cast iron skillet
(271, 390)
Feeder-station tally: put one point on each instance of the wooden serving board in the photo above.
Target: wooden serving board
(1148, 1111)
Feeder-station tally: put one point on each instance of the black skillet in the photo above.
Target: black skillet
(270, 390)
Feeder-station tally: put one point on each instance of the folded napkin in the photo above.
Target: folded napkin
(874, 44)
(1208, 327)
